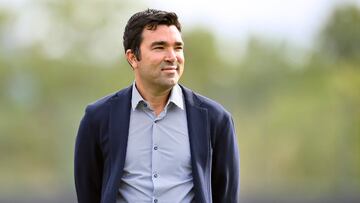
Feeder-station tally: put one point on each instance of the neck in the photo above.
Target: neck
(157, 98)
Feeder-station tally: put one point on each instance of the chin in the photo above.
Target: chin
(169, 84)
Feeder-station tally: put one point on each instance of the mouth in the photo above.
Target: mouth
(169, 68)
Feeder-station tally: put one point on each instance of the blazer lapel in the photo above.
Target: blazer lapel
(119, 130)
(200, 147)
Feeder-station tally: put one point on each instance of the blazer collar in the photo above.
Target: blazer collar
(200, 143)
(119, 128)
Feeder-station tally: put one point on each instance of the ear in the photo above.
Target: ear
(131, 58)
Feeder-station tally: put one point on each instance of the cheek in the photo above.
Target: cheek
(154, 59)
(180, 58)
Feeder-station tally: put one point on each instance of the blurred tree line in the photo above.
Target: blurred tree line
(297, 118)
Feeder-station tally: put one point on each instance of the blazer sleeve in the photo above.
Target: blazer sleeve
(225, 174)
(88, 162)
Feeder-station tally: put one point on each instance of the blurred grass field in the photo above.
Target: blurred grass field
(297, 113)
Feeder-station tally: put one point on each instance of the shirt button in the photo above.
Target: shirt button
(155, 175)
(155, 200)
(155, 147)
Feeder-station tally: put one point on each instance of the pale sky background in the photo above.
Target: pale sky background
(294, 21)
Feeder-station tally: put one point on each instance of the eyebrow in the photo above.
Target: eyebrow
(164, 43)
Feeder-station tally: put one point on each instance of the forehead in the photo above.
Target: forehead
(169, 34)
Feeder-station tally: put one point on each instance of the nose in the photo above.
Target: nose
(170, 56)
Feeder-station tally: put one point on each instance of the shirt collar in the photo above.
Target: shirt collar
(136, 98)
(176, 97)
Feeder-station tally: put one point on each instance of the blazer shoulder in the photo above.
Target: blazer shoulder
(215, 109)
(102, 105)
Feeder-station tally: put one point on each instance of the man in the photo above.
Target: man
(156, 141)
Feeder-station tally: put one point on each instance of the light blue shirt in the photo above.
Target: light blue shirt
(158, 160)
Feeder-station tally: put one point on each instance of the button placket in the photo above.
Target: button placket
(155, 157)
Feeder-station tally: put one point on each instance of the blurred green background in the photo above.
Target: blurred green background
(296, 111)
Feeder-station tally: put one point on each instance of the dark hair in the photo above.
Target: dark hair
(148, 19)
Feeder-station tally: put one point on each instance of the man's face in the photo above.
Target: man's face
(161, 61)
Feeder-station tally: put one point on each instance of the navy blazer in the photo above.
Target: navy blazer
(101, 143)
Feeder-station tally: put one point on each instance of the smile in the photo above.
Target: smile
(169, 68)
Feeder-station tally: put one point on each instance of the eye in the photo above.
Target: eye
(179, 48)
(158, 47)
